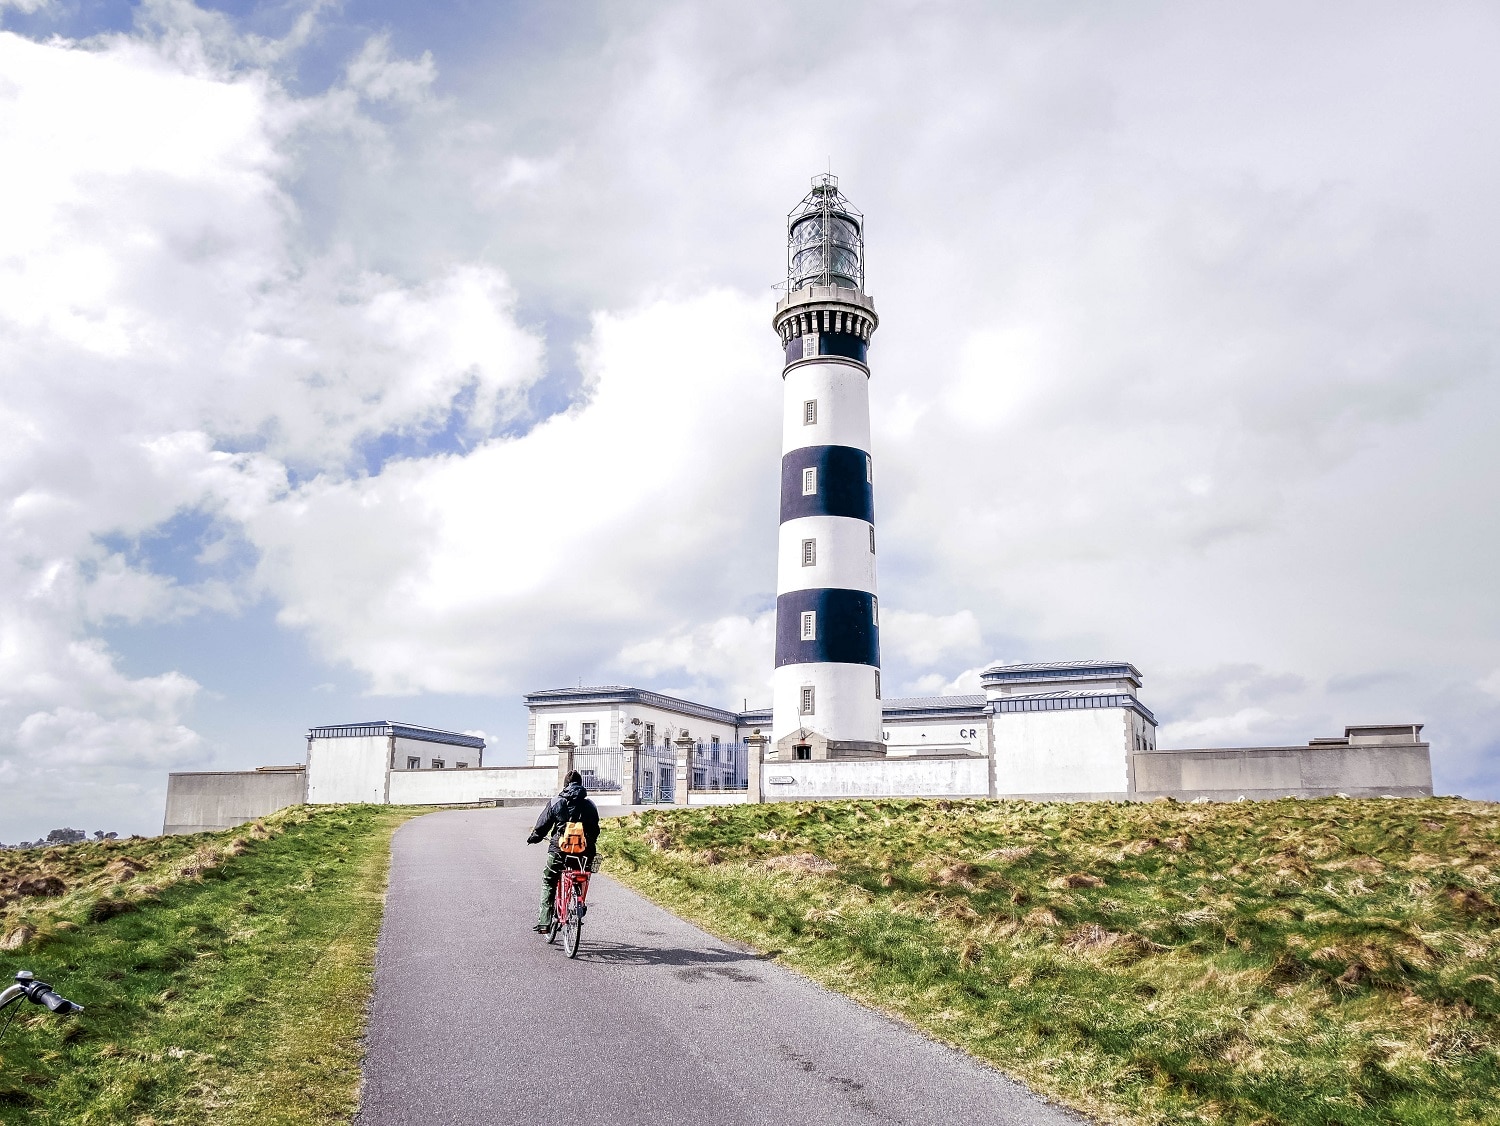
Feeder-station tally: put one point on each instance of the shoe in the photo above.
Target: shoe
(542, 928)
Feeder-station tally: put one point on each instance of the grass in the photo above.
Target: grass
(1292, 962)
(225, 975)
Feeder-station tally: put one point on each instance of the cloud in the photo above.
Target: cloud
(378, 76)
(1186, 355)
(171, 345)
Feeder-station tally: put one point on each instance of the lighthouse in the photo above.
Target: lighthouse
(826, 687)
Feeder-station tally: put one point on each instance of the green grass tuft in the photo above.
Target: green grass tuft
(225, 975)
(1293, 962)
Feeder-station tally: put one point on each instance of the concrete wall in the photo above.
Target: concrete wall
(459, 787)
(347, 769)
(943, 735)
(201, 802)
(1273, 772)
(1086, 751)
(965, 776)
(427, 753)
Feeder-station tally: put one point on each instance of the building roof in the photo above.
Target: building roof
(621, 694)
(400, 730)
(932, 705)
(1069, 701)
(1040, 672)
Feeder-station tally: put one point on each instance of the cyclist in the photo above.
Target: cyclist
(571, 805)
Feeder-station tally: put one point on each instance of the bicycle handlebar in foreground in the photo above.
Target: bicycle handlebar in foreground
(38, 993)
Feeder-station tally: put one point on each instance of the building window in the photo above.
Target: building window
(461, 765)
(869, 470)
(413, 763)
(810, 481)
(872, 539)
(590, 735)
(809, 699)
(809, 625)
(809, 553)
(700, 780)
(650, 734)
(810, 412)
(714, 749)
(437, 764)
(802, 752)
(877, 684)
(874, 610)
(555, 734)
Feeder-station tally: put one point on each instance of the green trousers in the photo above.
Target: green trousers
(550, 875)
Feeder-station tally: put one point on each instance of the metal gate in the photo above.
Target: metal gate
(655, 770)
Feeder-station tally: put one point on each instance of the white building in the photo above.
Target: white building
(1066, 728)
(353, 762)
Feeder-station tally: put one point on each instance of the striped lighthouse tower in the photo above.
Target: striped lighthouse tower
(827, 679)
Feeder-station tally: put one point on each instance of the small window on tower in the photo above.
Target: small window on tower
(810, 481)
(809, 553)
(877, 684)
(874, 610)
(872, 539)
(869, 470)
(810, 412)
(809, 625)
(809, 699)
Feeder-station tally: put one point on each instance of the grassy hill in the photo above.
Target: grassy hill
(1292, 962)
(224, 975)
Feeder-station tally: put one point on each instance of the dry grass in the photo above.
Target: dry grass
(1251, 963)
(224, 975)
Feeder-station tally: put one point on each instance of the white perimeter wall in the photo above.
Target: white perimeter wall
(1066, 752)
(457, 787)
(928, 736)
(447, 753)
(347, 770)
(876, 778)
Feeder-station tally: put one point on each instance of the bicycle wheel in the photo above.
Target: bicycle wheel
(552, 931)
(572, 927)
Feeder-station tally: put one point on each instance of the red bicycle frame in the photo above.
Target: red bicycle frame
(570, 879)
(569, 902)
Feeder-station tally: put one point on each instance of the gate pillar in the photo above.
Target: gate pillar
(684, 744)
(629, 750)
(756, 757)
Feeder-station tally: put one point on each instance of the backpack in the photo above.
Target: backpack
(573, 840)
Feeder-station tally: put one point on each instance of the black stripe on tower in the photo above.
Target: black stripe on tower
(844, 628)
(844, 344)
(842, 483)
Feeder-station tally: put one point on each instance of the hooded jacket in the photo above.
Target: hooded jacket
(571, 805)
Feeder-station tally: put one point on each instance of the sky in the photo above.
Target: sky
(387, 361)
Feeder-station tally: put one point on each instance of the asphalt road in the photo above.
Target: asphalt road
(477, 1020)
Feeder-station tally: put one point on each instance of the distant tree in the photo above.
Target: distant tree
(65, 836)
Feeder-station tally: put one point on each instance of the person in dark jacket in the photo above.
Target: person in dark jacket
(571, 805)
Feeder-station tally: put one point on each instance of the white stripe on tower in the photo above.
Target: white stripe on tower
(827, 677)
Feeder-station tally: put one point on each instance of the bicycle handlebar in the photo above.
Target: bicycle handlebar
(39, 993)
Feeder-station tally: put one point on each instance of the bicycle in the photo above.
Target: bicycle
(38, 993)
(569, 902)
